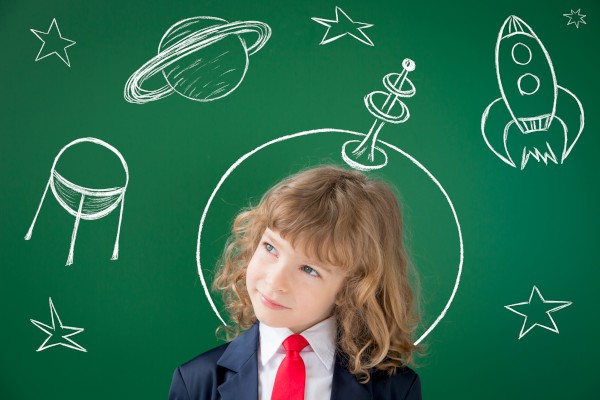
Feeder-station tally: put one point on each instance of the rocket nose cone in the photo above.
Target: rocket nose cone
(514, 24)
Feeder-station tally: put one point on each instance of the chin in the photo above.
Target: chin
(267, 319)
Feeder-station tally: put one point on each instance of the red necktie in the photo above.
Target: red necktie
(291, 375)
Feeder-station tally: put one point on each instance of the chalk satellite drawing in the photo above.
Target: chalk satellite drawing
(56, 334)
(54, 36)
(83, 202)
(201, 58)
(409, 65)
(375, 157)
(531, 101)
(336, 28)
(575, 18)
(524, 307)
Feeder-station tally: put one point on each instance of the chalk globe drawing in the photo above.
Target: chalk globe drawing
(344, 133)
(201, 58)
(85, 202)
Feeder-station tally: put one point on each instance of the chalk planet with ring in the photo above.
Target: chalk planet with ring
(200, 59)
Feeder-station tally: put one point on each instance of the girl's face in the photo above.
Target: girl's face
(286, 288)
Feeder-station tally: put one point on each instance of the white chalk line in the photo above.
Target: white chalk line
(553, 328)
(327, 130)
(51, 330)
(99, 206)
(363, 38)
(514, 26)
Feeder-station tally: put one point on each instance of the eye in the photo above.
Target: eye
(311, 271)
(269, 248)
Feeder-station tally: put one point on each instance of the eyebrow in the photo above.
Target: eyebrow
(270, 238)
(326, 268)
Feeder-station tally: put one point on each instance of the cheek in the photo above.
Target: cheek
(252, 271)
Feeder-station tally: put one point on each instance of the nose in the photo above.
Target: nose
(277, 277)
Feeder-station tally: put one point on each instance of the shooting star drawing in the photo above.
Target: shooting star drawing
(534, 116)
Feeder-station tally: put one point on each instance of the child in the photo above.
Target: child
(316, 275)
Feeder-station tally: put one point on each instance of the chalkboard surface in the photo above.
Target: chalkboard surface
(133, 132)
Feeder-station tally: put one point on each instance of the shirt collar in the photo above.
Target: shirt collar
(320, 337)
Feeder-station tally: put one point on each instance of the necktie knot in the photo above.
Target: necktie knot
(294, 344)
(291, 374)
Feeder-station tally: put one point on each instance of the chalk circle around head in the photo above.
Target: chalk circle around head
(361, 136)
(84, 202)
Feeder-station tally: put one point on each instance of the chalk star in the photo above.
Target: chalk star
(575, 17)
(53, 331)
(530, 305)
(55, 42)
(338, 28)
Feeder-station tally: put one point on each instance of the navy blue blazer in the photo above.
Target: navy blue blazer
(230, 372)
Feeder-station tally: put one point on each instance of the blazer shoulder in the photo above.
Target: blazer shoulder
(199, 377)
(208, 359)
(403, 384)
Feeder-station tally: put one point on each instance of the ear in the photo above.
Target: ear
(340, 297)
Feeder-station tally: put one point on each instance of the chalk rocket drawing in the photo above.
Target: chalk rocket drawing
(54, 36)
(530, 94)
(575, 18)
(366, 155)
(82, 202)
(340, 27)
(201, 58)
(395, 83)
(56, 334)
(525, 309)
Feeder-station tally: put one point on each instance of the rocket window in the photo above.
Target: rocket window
(521, 54)
(528, 84)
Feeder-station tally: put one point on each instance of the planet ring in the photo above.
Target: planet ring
(134, 93)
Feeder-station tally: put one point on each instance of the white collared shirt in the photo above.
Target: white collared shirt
(318, 357)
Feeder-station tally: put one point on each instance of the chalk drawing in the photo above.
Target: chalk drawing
(53, 36)
(375, 157)
(530, 95)
(56, 334)
(382, 144)
(554, 305)
(205, 75)
(83, 202)
(576, 18)
(336, 28)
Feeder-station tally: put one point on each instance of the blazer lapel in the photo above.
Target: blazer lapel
(240, 357)
(345, 386)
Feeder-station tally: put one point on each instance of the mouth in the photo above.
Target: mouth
(270, 303)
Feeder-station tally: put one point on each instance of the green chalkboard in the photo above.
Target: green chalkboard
(197, 107)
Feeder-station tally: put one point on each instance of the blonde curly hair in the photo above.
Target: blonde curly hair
(344, 219)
